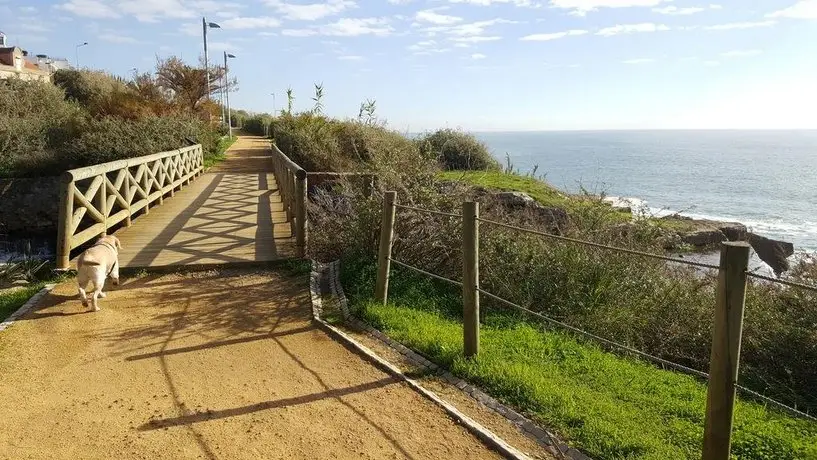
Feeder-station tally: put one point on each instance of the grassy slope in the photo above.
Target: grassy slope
(611, 407)
(546, 194)
(11, 301)
(223, 144)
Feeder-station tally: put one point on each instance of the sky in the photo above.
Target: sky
(480, 65)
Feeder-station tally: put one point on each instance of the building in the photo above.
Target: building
(16, 62)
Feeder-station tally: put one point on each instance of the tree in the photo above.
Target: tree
(186, 84)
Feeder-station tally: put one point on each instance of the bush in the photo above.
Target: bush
(257, 124)
(457, 150)
(89, 118)
(318, 143)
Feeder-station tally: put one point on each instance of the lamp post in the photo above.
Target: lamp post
(273, 104)
(227, 94)
(76, 50)
(204, 26)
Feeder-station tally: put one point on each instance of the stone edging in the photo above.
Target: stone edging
(546, 439)
(475, 428)
(26, 306)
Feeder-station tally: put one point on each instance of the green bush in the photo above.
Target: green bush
(457, 150)
(44, 130)
(257, 124)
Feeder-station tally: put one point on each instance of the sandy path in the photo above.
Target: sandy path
(208, 365)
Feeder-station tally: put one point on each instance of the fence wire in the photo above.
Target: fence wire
(602, 246)
(427, 211)
(779, 281)
(420, 270)
(610, 343)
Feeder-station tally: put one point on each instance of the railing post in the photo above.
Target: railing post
(381, 291)
(470, 277)
(102, 203)
(300, 213)
(146, 187)
(65, 225)
(725, 356)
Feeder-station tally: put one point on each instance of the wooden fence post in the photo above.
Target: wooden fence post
(300, 213)
(102, 203)
(65, 226)
(381, 292)
(470, 277)
(725, 357)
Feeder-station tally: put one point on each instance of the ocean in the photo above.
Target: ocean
(766, 180)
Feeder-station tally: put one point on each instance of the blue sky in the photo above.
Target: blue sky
(475, 64)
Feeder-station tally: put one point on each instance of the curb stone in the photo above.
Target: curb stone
(545, 438)
(30, 303)
(472, 426)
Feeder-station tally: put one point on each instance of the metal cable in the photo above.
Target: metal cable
(777, 404)
(602, 246)
(428, 211)
(787, 283)
(425, 272)
(600, 339)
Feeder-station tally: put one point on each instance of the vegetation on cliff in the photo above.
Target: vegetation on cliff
(87, 117)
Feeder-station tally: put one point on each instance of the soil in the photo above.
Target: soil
(204, 365)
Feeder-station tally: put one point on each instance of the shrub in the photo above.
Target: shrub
(457, 150)
(257, 124)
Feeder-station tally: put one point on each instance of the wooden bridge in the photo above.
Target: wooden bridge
(167, 211)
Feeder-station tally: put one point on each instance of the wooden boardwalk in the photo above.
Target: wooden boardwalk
(232, 213)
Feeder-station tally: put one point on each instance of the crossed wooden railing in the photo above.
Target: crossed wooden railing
(95, 198)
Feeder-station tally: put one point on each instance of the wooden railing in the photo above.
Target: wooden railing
(95, 198)
(291, 180)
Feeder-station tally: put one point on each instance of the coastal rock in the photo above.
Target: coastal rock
(734, 231)
(775, 253)
(523, 205)
(707, 237)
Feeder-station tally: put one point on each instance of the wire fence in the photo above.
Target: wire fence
(594, 337)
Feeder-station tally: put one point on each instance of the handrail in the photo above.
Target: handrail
(292, 185)
(91, 201)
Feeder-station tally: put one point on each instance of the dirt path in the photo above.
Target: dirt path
(208, 365)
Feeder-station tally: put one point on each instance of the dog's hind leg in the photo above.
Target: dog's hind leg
(99, 282)
(82, 282)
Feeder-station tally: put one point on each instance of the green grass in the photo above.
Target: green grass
(11, 301)
(608, 406)
(537, 189)
(220, 154)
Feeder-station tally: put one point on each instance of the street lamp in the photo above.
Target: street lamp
(77, 52)
(204, 26)
(227, 94)
(273, 104)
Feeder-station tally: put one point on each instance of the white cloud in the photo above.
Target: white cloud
(741, 25)
(631, 28)
(264, 22)
(350, 58)
(153, 10)
(712, 63)
(299, 32)
(433, 17)
(553, 36)
(345, 27)
(471, 28)
(89, 9)
(804, 9)
(582, 7)
(116, 38)
(426, 48)
(477, 56)
(312, 11)
(519, 3)
(638, 61)
(675, 11)
(741, 53)
(475, 39)
(27, 9)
